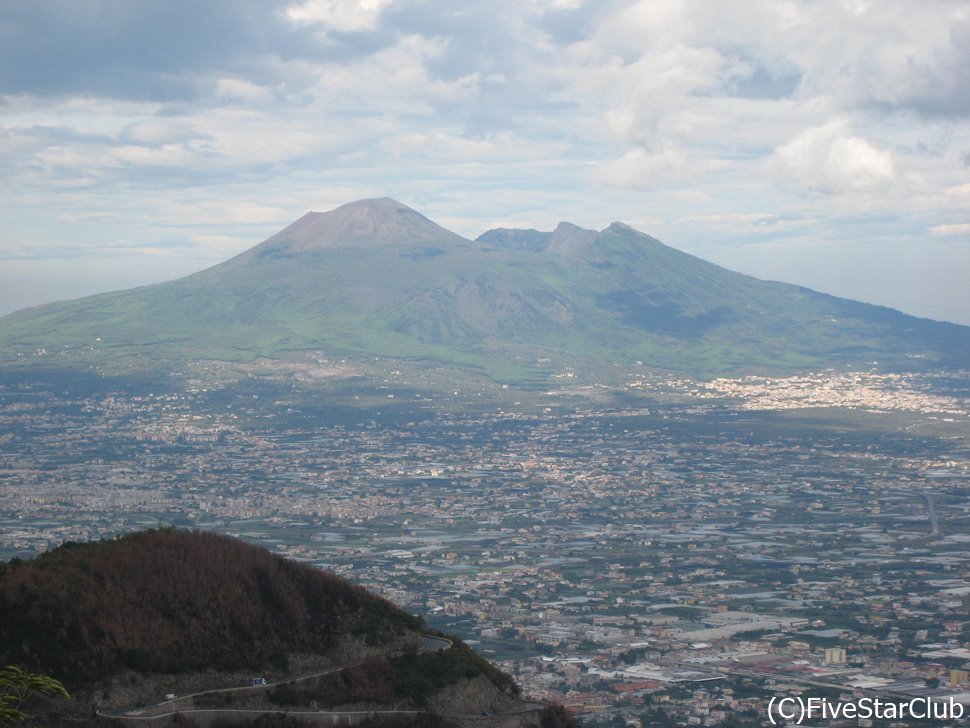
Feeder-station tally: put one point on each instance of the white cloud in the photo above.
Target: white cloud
(962, 228)
(155, 132)
(239, 89)
(545, 5)
(832, 160)
(342, 15)
(959, 191)
(890, 53)
(641, 169)
(166, 155)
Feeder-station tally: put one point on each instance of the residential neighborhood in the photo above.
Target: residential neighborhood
(688, 557)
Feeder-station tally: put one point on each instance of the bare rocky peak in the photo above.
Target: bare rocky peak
(514, 238)
(565, 239)
(365, 223)
(385, 222)
(569, 238)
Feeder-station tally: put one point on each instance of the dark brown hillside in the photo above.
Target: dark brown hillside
(174, 601)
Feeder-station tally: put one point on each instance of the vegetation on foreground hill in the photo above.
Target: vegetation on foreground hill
(553, 716)
(16, 687)
(180, 604)
(178, 601)
(405, 680)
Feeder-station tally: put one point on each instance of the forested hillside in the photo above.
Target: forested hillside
(171, 601)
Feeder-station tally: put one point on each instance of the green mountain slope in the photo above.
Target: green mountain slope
(375, 278)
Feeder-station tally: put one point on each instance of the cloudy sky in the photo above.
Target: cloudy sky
(823, 143)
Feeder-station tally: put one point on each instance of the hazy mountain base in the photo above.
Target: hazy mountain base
(403, 397)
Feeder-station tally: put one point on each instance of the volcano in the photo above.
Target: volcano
(375, 278)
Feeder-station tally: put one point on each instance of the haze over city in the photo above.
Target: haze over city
(823, 144)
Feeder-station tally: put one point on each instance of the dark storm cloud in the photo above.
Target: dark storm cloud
(162, 51)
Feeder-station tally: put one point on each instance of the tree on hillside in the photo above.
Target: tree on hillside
(17, 685)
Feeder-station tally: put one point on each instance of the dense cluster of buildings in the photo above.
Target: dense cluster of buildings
(683, 561)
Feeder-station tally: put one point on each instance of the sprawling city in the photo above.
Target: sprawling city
(677, 558)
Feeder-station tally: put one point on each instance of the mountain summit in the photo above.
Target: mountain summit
(377, 279)
(365, 223)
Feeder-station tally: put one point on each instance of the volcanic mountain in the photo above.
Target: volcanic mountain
(375, 278)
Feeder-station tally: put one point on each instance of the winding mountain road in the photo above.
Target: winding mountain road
(166, 709)
(429, 643)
